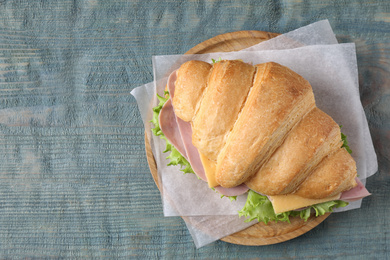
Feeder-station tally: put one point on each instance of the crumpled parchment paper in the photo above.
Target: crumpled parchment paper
(311, 51)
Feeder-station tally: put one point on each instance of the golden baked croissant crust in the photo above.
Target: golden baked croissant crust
(259, 125)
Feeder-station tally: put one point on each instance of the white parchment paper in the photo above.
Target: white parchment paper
(311, 51)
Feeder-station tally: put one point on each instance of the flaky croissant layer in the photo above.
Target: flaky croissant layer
(259, 125)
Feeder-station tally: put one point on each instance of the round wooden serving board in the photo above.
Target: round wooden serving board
(258, 234)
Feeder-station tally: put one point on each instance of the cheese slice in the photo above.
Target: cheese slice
(209, 168)
(283, 203)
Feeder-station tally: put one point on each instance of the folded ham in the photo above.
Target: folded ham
(256, 126)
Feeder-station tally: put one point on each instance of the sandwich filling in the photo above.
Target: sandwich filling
(224, 169)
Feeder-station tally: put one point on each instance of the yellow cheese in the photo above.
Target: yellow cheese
(209, 168)
(283, 203)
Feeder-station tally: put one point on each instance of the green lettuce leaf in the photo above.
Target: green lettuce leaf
(175, 156)
(231, 198)
(215, 61)
(260, 207)
(325, 207)
(345, 142)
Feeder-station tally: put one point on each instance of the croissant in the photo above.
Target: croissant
(259, 126)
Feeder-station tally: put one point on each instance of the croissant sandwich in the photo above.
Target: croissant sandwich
(256, 129)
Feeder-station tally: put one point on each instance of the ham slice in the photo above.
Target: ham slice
(168, 125)
(171, 84)
(185, 132)
(235, 191)
(193, 154)
(356, 193)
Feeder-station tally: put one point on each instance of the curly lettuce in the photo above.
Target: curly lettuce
(345, 143)
(259, 207)
(175, 157)
(215, 61)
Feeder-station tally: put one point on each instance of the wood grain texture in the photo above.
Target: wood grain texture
(273, 233)
(234, 41)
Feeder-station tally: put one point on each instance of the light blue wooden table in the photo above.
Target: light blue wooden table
(75, 182)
